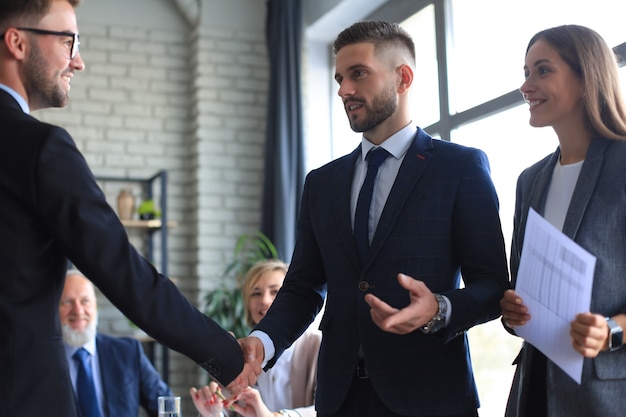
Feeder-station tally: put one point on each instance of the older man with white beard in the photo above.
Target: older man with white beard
(123, 377)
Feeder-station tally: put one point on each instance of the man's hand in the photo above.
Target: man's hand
(253, 354)
(253, 351)
(590, 334)
(422, 308)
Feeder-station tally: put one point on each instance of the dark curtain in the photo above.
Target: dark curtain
(284, 160)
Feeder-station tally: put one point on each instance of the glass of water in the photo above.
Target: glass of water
(169, 406)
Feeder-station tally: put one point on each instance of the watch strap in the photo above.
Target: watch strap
(439, 319)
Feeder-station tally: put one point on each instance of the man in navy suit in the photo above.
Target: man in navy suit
(394, 327)
(123, 376)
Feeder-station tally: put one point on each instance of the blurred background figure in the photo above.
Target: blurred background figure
(119, 376)
(289, 387)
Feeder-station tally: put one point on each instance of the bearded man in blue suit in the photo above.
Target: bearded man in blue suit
(394, 326)
(123, 376)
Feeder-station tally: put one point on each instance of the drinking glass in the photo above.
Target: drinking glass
(169, 406)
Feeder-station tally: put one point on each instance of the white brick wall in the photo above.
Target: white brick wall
(187, 100)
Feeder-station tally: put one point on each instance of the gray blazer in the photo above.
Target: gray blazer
(596, 220)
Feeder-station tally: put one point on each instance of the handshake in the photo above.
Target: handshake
(253, 356)
(211, 400)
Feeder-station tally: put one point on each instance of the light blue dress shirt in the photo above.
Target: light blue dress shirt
(95, 369)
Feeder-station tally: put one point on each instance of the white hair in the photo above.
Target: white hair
(78, 338)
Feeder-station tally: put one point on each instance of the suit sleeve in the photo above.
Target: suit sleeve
(479, 243)
(70, 204)
(302, 295)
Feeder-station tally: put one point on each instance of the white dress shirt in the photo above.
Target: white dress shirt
(562, 184)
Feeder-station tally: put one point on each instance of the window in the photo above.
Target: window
(425, 89)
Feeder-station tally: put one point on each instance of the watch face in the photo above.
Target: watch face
(616, 339)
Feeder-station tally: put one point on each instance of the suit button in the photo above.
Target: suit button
(364, 286)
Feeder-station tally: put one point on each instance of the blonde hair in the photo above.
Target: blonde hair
(593, 61)
(252, 277)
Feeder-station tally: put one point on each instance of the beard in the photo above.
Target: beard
(42, 89)
(384, 105)
(78, 338)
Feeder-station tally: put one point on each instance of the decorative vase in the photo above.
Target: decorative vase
(125, 204)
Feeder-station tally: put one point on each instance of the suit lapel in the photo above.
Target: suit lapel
(413, 165)
(539, 190)
(342, 193)
(589, 175)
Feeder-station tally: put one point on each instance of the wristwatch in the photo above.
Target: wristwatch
(439, 319)
(616, 334)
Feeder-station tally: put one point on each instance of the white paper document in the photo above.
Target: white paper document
(554, 279)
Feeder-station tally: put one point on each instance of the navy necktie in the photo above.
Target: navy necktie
(85, 388)
(375, 158)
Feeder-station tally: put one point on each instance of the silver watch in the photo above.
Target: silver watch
(439, 319)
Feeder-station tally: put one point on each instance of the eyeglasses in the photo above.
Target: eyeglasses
(73, 47)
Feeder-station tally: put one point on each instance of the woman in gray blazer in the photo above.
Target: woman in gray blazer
(572, 85)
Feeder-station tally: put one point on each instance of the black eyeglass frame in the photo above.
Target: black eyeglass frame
(75, 37)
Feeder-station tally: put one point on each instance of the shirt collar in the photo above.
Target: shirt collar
(397, 144)
(20, 100)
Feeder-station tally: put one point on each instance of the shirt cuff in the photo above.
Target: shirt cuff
(268, 345)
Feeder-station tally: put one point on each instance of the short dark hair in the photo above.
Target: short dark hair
(26, 10)
(377, 32)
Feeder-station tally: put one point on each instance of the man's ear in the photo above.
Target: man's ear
(406, 78)
(15, 41)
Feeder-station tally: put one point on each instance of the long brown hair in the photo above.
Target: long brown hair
(591, 59)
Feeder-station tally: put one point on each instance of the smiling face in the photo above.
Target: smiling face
(263, 293)
(78, 310)
(47, 68)
(552, 90)
(367, 86)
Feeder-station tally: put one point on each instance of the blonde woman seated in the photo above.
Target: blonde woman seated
(289, 386)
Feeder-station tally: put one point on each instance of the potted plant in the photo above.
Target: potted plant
(225, 304)
(148, 211)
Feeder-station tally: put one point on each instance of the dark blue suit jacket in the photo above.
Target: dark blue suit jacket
(128, 378)
(440, 221)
